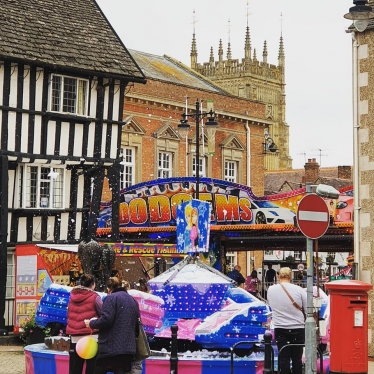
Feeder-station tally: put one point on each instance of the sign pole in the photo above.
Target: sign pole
(310, 326)
(313, 219)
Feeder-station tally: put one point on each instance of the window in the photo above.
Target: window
(164, 165)
(41, 187)
(202, 166)
(233, 154)
(297, 255)
(10, 285)
(231, 171)
(69, 95)
(128, 167)
(10, 290)
(231, 260)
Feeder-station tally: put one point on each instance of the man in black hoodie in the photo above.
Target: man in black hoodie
(236, 275)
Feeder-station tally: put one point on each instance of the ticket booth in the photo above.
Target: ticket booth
(37, 266)
(348, 326)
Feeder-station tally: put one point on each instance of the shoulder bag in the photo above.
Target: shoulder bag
(142, 346)
(294, 303)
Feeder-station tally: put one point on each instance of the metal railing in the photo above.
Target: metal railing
(265, 285)
(234, 348)
(267, 348)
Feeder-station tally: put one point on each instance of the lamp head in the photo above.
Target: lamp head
(272, 147)
(361, 11)
(184, 127)
(327, 191)
(269, 144)
(211, 122)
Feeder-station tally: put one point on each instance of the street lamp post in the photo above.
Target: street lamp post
(184, 127)
(360, 14)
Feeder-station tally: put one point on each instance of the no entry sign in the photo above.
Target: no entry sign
(312, 216)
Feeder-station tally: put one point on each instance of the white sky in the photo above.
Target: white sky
(317, 48)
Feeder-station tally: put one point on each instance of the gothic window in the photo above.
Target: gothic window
(69, 95)
(241, 91)
(41, 187)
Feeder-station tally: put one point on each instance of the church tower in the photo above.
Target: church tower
(258, 81)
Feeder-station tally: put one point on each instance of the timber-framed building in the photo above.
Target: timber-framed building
(63, 77)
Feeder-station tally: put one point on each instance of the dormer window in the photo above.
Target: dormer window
(69, 95)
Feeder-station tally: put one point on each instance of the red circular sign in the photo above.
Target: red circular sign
(313, 216)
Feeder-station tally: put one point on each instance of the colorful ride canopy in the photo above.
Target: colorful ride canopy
(154, 203)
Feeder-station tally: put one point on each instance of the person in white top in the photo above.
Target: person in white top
(288, 302)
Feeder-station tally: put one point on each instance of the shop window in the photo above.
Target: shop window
(231, 260)
(297, 255)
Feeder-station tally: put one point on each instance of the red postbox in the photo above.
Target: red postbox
(348, 326)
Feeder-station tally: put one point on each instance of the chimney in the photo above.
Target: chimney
(311, 170)
(345, 172)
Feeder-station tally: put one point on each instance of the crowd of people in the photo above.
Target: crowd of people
(117, 316)
(252, 283)
(107, 322)
(288, 302)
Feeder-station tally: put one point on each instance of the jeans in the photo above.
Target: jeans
(294, 353)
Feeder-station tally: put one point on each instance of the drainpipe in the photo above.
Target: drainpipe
(356, 197)
(248, 130)
(248, 133)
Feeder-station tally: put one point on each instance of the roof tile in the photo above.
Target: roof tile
(49, 31)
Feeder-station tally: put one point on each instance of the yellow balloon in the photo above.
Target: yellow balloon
(86, 347)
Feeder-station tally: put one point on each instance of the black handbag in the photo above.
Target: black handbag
(142, 346)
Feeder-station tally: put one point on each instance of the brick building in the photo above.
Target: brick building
(153, 111)
(152, 148)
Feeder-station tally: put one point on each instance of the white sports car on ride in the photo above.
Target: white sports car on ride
(265, 212)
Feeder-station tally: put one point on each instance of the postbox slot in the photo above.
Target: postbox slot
(358, 302)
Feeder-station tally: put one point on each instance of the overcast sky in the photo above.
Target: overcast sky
(318, 56)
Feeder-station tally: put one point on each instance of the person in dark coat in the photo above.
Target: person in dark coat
(118, 328)
(236, 275)
(84, 303)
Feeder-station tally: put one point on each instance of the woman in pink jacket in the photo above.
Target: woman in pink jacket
(84, 303)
